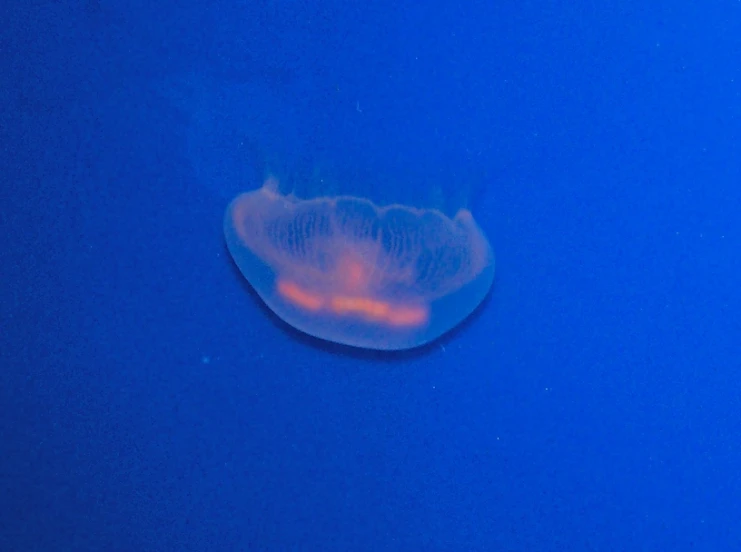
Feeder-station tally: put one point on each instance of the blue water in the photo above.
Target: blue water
(150, 402)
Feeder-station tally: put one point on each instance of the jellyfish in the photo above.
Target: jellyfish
(345, 270)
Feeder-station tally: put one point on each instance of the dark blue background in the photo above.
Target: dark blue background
(149, 402)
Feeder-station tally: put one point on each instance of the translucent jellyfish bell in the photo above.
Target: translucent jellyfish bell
(345, 270)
